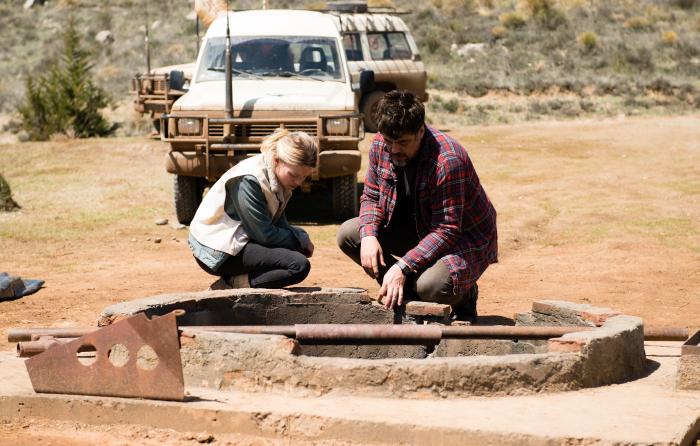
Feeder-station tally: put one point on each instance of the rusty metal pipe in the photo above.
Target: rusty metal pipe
(387, 334)
(653, 333)
(25, 334)
(311, 332)
(283, 330)
(423, 333)
(31, 348)
(368, 334)
(508, 332)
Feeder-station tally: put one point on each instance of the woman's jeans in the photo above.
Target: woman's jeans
(266, 267)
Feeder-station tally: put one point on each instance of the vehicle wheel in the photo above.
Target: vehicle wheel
(345, 199)
(188, 195)
(369, 106)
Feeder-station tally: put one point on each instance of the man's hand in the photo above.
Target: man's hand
(391, 293)
(371, 255)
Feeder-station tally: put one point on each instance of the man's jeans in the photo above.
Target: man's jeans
(434, 284)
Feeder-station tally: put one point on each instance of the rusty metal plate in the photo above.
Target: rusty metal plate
(135, 358)
(692, 345)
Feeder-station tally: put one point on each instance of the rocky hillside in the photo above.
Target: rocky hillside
(501, 60)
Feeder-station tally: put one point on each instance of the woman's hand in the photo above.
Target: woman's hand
(309, 251)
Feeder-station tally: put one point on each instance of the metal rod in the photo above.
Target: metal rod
(32, 348)
(508, 332)
(385, 333)
(228, 111)
(283, 330)
(368, 333)
(25, 334)
(196, 27)
(653, 333)
(310, 332)
(147, 44)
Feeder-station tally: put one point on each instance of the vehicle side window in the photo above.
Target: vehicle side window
(388, 46)
(353, 49)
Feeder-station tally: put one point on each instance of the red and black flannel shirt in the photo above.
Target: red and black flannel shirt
(455, 220)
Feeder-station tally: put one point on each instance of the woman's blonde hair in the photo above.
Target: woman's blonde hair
(295, 148)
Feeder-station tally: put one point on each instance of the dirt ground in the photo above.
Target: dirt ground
(603, 212)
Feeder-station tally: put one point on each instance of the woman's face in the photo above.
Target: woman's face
(290, 176)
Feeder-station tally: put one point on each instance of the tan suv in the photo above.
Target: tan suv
(156, 91)
(379, 40)
(288, 69)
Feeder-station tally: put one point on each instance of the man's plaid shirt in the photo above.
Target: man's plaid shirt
(455, 220)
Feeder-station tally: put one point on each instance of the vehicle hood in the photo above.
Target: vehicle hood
(269, 94)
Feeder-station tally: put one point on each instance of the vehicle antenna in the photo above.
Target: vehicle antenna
(147, 44)
(227, 68)
(196, 28)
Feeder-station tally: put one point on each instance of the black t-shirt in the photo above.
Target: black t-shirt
(403, 219)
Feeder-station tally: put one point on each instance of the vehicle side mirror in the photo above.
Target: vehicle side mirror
(366, 83)
(176, 80)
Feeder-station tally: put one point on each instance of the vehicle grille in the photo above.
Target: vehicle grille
(259, 131)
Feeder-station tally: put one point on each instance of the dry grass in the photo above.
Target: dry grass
(603, 212)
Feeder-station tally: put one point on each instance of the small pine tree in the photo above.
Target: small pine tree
(6, 201)
(65, 99)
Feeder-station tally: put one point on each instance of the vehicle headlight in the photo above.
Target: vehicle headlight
(188, 126)
(337, 126)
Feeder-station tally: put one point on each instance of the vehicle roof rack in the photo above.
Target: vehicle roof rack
(357, 7)
(347, 6)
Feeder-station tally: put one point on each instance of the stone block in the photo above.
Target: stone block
(689, 364)
(689, 372)
(574, 311)
(418, 308)
(559, 345)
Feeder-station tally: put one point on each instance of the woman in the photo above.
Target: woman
(240, 232)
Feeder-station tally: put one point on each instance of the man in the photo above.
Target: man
(423, 203)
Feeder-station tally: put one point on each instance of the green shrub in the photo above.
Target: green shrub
(64, 99)
(512, 20)
(6, 201)
(687, 4)
(630, 59)
(451, 106)
(588, 40)
(545, 13)
(637, 23)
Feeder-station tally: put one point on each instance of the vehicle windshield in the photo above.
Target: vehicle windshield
(312, 58)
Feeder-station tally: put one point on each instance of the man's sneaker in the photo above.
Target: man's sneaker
(466, 311)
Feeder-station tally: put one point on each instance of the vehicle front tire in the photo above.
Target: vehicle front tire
(187, 195)
(369, 106)
(346, 201)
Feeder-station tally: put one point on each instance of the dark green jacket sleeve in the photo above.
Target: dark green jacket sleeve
(246, 203)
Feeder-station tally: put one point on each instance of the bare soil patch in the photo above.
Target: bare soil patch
(602, 212)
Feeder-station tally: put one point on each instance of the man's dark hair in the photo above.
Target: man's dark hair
(399, 112)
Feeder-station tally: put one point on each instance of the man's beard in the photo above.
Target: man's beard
(402, 162)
